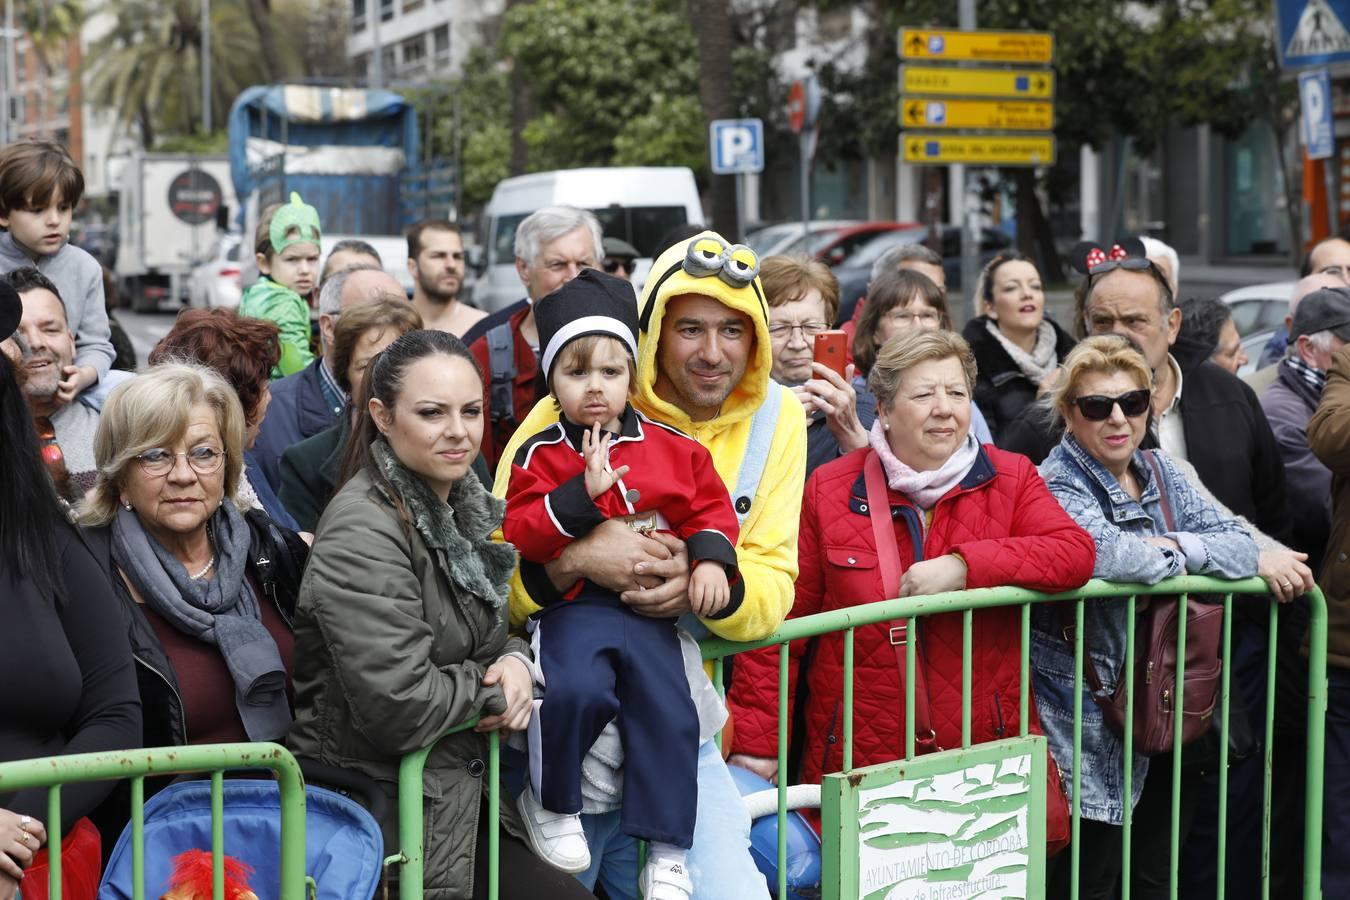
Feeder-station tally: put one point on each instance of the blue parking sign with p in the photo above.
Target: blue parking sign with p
(737, 146)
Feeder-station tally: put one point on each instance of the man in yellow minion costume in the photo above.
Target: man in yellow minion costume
(703, 365)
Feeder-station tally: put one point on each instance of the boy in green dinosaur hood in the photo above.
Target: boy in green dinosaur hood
(287, 246)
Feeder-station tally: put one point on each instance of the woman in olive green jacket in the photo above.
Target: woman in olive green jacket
(400, 630)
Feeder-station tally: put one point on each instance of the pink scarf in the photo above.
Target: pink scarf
(923, 488)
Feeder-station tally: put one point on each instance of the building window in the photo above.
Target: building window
(440, 43)
(358, 15)
(363, 65)
(386, 10)
(410, 5)
(414, 50)
(387, 60)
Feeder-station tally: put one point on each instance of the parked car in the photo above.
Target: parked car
(216, 282)
(1260, 307)
(856, 271)
(836, 249)
(790, 237)
(1252, 345)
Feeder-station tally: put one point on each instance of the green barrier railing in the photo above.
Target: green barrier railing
(911, 609)
(53, 772)
(410, 822)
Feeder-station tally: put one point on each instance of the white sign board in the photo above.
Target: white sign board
(959, 823)
(1315, 126)
(736, 146)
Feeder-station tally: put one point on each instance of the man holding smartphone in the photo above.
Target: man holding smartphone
(809, 356)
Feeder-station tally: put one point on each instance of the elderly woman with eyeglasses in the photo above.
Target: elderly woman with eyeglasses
(803, 298)
(1123, 497)
(208, 586)
(898, 301)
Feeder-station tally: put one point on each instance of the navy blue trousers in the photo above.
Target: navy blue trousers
(601, 660)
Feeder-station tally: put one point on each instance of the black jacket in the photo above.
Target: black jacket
(298, 410)
(276, 563)
(1002, 391)
(1228, 440)
(309, 474)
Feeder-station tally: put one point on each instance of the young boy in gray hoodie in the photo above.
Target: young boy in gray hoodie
(40, 186)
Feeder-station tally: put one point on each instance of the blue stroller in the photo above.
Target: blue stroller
(344, 849)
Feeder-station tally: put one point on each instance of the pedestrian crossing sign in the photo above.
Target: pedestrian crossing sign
(1313, 32)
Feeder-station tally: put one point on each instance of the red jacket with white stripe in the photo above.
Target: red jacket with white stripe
(1008, 528)
(671, 477)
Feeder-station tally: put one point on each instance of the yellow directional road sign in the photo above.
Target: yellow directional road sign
(983, 150)
(1010, 115)
(1026, 84)
(977, 46)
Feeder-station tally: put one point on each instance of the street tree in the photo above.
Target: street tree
(1124, 73)
(148, 66)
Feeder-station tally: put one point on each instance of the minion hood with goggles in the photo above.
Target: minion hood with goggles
(728, 273)
(294, 223)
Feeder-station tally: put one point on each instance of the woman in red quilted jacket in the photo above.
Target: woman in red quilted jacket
(963, 516)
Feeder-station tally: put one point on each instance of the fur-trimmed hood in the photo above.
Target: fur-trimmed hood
(457, 531)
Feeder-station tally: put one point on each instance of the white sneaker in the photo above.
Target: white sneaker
(557, 838)
(664, 879)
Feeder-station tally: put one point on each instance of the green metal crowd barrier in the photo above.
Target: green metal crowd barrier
(912, 609)
(55, 771)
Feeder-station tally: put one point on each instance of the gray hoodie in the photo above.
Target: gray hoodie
(79, 279)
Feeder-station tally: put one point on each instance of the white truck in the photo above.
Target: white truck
(172, 209)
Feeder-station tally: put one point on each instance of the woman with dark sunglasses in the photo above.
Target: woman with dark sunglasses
(1122, 496)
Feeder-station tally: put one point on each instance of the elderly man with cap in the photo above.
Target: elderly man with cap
(1274, 349)
(1321, 326)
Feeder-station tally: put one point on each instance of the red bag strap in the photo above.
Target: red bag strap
(883, 527)
(888, 560)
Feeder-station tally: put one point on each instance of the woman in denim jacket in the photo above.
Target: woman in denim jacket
(1107, 484)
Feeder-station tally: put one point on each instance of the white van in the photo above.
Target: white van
(638, 204)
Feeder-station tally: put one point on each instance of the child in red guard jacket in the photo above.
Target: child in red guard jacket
(598, 658)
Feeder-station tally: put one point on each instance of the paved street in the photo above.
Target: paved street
(145, 329)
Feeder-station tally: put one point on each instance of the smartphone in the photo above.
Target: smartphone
(832, 350)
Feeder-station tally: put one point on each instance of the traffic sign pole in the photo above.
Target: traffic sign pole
(970, 232)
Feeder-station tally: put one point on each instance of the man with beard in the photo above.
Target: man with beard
(65, 425)
(436, 263)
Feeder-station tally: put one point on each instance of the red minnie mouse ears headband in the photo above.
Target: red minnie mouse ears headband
(1087, 256)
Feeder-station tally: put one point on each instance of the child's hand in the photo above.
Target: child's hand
(75, 379)
(599, 476)
(709, 592)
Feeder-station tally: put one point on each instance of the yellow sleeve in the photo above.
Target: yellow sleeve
(542, 416)
(767, 549)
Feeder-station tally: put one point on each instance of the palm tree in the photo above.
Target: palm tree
(50, 25)
(148, 67)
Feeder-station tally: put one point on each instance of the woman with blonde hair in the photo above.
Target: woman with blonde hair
(924, 509)
(207, 585)
(1148, 523)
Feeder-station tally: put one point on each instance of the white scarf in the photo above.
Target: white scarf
(923, 488)
(1041, 361)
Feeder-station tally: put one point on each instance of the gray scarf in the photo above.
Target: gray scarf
(222, 611)
(458, 531)
(1041, 361)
